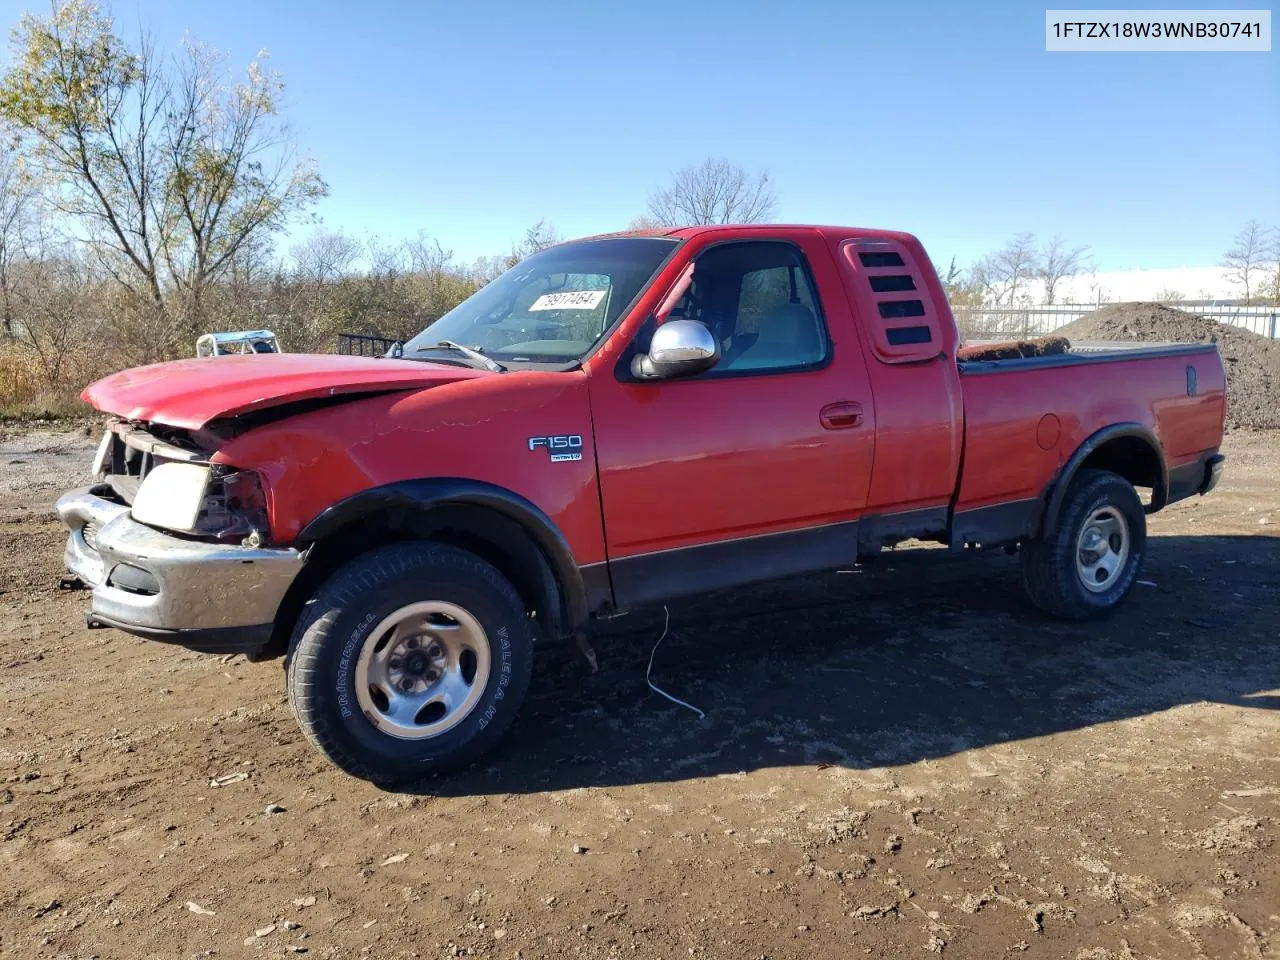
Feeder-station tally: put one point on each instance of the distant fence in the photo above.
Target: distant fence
(363, 345)
(1031, 321)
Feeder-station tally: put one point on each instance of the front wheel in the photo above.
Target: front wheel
(412, 659)
(1089, 564)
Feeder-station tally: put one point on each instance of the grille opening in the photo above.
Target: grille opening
(881, 259)
(895, 309)
(905, 336)
(136, 451)
(893, 283)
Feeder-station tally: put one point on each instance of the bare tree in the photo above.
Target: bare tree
(436, 284)
(54, 295)
(1270, 287)
(1003, 273)
(17, 197)
(1169, 295)
(317, 265)
(538, 237)
(325, 256)
(979, 275)
(1058, 261)
(1248, 255)
(163, 166)
(714, 191)
(644, 223)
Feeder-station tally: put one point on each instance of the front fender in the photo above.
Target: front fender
(437, 493)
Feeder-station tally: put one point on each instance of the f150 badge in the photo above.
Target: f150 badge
(561, 448)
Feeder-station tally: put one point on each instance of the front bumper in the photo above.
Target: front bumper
(211, 597)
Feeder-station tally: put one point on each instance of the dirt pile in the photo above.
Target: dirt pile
(1252, 361)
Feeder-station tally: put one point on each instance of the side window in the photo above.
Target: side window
(759, 302)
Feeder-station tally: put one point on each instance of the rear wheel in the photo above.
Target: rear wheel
(1088, 565)
(411, 660)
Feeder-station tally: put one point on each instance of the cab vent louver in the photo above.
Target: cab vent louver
(897, 309)
(878, 258)
(898, 295)
(902, 336)
(892, 283)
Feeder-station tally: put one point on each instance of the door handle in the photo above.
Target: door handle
(839, 416)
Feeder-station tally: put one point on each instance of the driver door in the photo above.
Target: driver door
(741, 473)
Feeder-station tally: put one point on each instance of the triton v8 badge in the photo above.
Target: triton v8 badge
(564, 447)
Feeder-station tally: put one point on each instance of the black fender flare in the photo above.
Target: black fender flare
(438, 492)
(1056, 493)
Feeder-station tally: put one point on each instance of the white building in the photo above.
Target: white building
(1178, 283)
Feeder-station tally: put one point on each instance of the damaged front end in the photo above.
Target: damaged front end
(173, 545)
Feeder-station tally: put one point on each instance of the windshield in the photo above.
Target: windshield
(552, 307)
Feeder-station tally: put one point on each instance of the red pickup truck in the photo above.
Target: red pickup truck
(614, 422)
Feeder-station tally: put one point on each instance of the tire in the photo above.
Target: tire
(409, 617)
(1101, 537)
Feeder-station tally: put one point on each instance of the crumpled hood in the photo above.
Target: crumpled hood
(190, 393)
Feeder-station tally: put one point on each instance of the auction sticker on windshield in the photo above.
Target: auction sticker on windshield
(569, 300)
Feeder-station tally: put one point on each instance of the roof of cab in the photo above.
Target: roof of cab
(685, 233)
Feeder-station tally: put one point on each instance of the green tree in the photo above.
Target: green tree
(961, 289)
(164, 166)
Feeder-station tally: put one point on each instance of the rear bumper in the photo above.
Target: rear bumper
(211, 597)
(1197, 477)
(1212, 472)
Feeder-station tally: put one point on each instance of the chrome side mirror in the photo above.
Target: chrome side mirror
(679, 348)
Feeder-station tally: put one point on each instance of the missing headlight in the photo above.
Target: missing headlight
(235, 506)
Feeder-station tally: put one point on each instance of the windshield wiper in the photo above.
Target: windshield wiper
(471, 353)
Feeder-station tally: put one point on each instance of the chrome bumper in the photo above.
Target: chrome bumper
(207, 596)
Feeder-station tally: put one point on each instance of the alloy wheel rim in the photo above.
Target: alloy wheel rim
(1102, 549)
(422, 670)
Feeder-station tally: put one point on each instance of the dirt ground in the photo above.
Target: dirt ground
(895, 762)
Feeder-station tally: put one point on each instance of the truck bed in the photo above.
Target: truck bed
(1024, 417)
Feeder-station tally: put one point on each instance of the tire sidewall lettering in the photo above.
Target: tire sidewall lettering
(502, 674)
(346, 666)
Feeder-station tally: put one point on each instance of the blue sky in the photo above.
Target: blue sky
(471, 121)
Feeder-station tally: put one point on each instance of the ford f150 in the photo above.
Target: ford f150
(613, 422)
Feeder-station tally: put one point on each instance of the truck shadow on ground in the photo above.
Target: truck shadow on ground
(893, 663)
